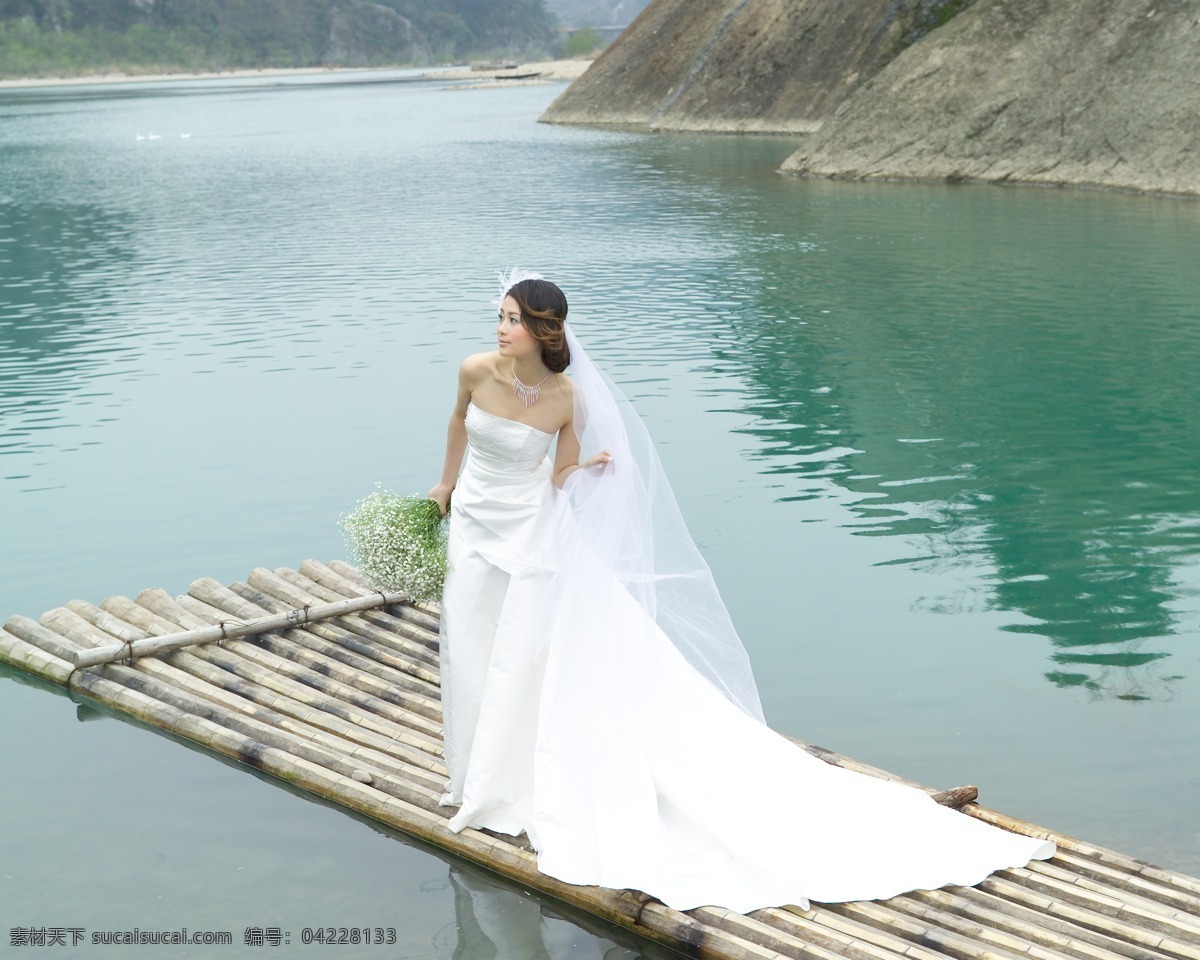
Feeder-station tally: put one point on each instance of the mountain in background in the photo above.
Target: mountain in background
(1070, 92)
(1075, 92)
(763, 66)
(42, 37)
(573, 14)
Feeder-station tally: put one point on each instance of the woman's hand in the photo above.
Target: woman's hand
(441, 495)
(600, 459)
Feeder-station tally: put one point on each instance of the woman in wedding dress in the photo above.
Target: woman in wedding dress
(595, 694)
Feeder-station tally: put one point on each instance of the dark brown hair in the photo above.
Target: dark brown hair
(544, 312)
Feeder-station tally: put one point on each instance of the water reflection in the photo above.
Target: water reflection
(495, 923)
(56, 264)
(1005, 396)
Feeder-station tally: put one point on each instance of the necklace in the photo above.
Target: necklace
(524, 391)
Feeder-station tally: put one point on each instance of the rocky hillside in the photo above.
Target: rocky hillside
(745, 65)
(43, 37)
(595, 13)
(1084, 92)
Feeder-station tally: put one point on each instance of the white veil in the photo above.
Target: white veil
(627, 514)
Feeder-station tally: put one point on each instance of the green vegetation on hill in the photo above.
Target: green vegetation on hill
(52, 37)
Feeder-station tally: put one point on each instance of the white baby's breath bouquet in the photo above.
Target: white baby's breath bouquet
(399, 543)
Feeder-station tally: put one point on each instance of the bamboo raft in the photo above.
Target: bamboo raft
(311, 676)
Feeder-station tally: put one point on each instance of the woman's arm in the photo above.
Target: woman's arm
(456, 437)
(566, 455)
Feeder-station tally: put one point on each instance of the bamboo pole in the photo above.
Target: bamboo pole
(34, 633)
(990, 906)
(226, 630)
(269, 583)
(782, 941)
(331, 643)
(386, 618)
(33, 659)
(1169, 923)
(1186, 916)
(944, 909)
(1133, 882)
(328, 577)
(383, 628)
(346, 723)
(129, 612)
(265, 580)
(425, 614)
(844, 936)
(987, 938)
(96, 684)
(418, 653)
(958, 797)
(419, 745)
(801, 925)
(350, 572)
(342, 729)
(170, 683)
(412, 676)
(1103, 855)
(874, 922)
(333, 640)
(421, 719)
(1083, 915)
(413, 756)
(290, 645)
(290, 662)
(1092, 931)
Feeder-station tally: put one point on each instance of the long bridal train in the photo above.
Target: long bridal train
(572, 717)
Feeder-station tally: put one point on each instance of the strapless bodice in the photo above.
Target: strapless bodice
(502, 446)
(503, 503)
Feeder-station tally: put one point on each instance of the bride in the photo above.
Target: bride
(595, 694)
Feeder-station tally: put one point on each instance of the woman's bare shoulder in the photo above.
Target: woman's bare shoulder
(478, 366)
(565, 384)
(564, 397)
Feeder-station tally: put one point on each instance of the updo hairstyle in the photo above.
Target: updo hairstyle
(543, 312)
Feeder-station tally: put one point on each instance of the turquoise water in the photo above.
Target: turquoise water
(939, 445)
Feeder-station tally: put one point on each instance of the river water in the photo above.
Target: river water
(939, 445)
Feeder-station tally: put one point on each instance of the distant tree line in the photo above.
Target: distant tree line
(47, 37)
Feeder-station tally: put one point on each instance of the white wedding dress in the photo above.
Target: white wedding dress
(571, 716)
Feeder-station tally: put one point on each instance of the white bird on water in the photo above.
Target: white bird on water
(153, 136)
(185, 136)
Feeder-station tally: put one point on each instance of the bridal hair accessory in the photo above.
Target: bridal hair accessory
(525, 393)
(510, 278)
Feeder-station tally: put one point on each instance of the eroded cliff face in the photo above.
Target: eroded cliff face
(1079, 92)
(744, 65)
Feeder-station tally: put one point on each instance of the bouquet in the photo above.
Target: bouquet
(399, 543)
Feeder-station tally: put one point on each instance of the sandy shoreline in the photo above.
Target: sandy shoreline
(99, 78)
(541, 72)
(545, 71)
